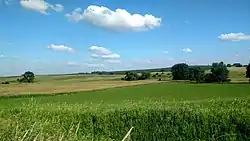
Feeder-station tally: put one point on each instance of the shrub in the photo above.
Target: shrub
(5, 82)
(144, 76)
(131, 76)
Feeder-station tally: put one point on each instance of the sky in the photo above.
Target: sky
(71, 36)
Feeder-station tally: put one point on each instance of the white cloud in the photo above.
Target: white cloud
(40, 6)
(187, 50)
(61, 48)
(113, 61)
(234, 36)
(113, 56)
(118, 20)
(94, 65)
(94, 55)
(57, 7)
(104, 53)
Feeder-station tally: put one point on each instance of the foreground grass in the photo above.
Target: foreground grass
(152, 120)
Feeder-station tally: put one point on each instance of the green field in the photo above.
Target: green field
(104, 108)
(163, 91)
(163, 111)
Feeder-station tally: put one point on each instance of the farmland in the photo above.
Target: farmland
(102, 107)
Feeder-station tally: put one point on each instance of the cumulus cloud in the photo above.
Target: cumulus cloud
(61, 48)
(40, 6)
(103, 53)
(118, 20)
(187, 50)
(234, 36)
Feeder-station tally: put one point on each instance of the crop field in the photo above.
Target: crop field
(163, 111)
(104, 108)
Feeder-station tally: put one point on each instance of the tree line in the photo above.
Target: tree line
(219, 73)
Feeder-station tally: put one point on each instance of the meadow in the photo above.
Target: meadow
(156, 110)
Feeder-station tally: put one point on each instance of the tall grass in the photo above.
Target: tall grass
(152, 121)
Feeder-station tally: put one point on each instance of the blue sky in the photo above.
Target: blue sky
(62, 36)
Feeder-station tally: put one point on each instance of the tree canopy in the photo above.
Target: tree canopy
(220, 72)
(131, 76)
(180, 71)
(27, 77)
(196, 74)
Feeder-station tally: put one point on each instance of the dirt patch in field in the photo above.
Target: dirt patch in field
(49, 88)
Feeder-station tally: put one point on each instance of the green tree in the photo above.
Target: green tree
(220, 72)
(196, 74)
(145, 75)
(180, 71)
(237, 65)
(27, 77)
(209, 78)
(131, 76)
(229, 65)
(248, 72)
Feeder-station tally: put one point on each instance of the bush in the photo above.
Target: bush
(5, 82)
(229, 65)
(131, 76)
(159, 79)
(180, 71)
(157, 73)
(144, 76)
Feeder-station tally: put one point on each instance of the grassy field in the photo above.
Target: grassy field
(162, 91)
(103, 108)
(164, 111)
(82, 82)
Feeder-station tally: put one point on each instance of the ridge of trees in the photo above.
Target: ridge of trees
(219, 73)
